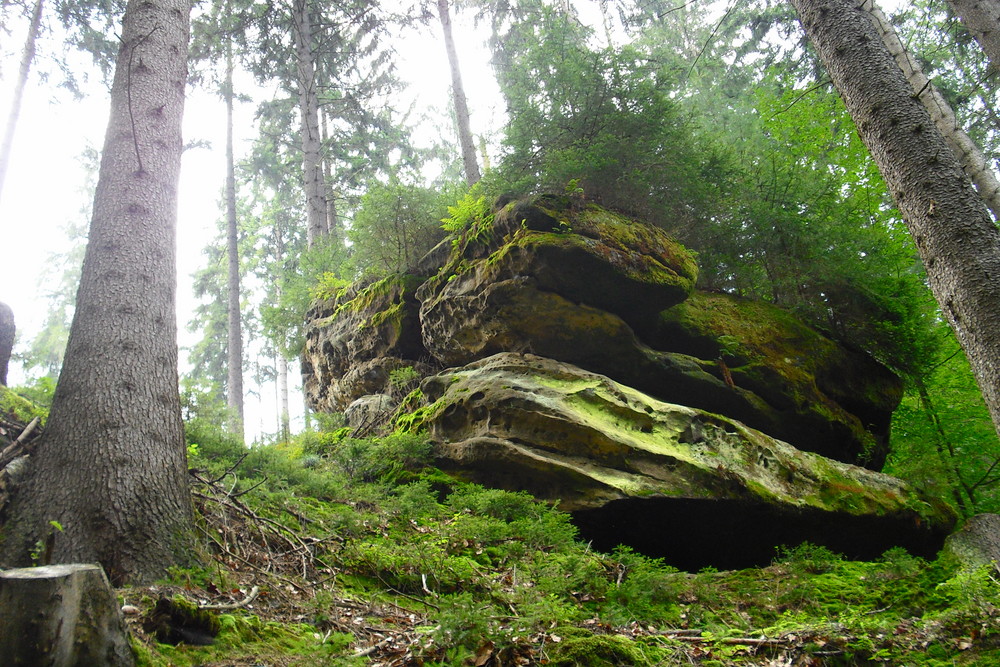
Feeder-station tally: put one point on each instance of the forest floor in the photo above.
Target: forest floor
(355, 552)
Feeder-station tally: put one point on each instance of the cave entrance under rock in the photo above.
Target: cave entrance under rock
(731, 534)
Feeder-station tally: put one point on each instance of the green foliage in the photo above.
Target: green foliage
(19, 407)
(471, 211)
(394, 226)
(601, 651)
(383, 459)
(328, 286)
(209, 445)
(943, 437)
(602, 121)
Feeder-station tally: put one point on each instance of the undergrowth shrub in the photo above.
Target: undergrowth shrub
(212, 447)
(384, 459)
(643, 588)
(536, 524)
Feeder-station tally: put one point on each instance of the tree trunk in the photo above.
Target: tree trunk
(285, 424)
(27, 56)
(333, 225)
(312, 166)
(971, 157)
(472, 174)
(7, 331)
(61, 616)
(112, 468)
(954, 233)
(982, 19)
(234, 395)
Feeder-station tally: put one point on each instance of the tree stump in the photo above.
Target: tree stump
(61, 616)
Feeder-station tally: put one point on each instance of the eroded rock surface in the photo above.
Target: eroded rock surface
(615, 296)
(693, 431)
(356, 339)
(669, 480)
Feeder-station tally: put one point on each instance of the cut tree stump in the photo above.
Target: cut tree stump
(61, 616)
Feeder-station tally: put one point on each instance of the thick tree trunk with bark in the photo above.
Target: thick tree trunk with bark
(234, 360)
(312, 166)
(953, 230)
(465, 141)
(982, 19)
(111, 468)
(61, 616)
(27, 56)
(973, 161)
(7, 331)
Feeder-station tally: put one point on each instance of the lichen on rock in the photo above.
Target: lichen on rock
(355, 339)
(596, 447)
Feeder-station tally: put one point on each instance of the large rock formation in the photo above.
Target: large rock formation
(688, 485)
(554, 280)
(582, 285)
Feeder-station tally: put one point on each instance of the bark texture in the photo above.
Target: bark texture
(61, 616)
(234, 349)
(954, 233)
(111, 468)
(982, 19)
(7, 331)
(973, 161)
(27, 56)
(472, 174)
(312, 165)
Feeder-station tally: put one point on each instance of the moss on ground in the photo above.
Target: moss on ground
(438, 572)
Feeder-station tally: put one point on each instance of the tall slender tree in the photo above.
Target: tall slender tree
(234, 349)
(462, 116)
(953, 230)
(27, 56)
(312, 164)
(7, 330)
(969, 154)
(111, 469)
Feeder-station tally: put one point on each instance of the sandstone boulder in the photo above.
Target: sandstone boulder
(475, 316)
(355, 340)
(820, 390)
(585, 254)
(570, 281)
(669, 480)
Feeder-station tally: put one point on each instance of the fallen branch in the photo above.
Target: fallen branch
(741, 641)
(251, 596)
(19, 446)
(363, 653)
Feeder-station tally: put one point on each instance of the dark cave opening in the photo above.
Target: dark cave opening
(733, 534)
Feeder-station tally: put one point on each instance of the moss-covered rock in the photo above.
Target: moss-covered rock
(669, 480)
(357, 338)
(821, 391)
(585, 254)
